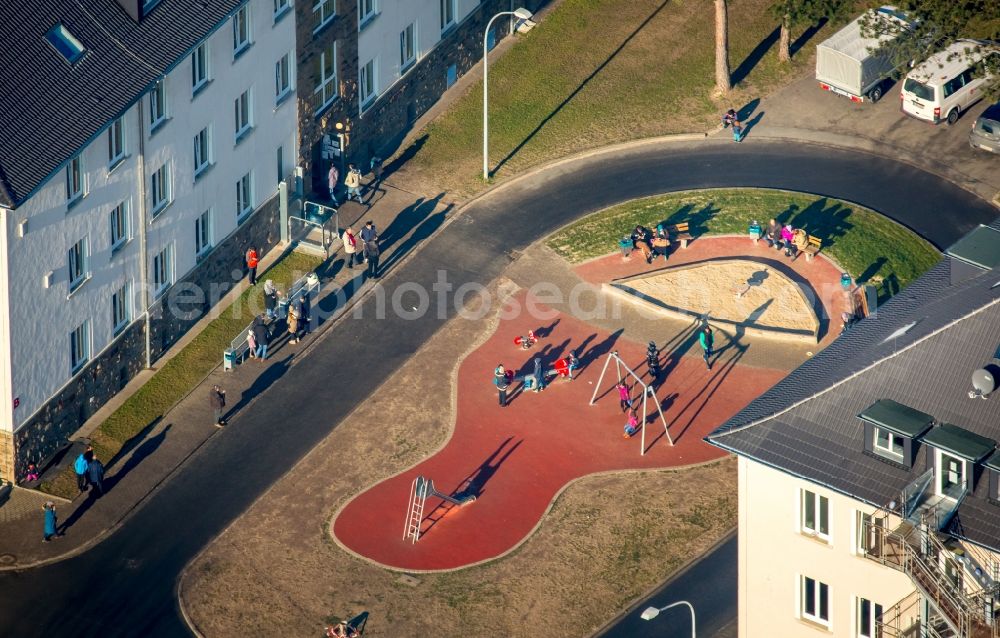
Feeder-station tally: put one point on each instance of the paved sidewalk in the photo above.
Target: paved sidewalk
(403, 220)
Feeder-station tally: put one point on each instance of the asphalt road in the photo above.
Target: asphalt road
(125, 586)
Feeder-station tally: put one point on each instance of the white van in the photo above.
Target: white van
(943, 86)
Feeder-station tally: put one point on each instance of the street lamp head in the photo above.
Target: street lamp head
(522, 14)
(649, 613)
(339, 126)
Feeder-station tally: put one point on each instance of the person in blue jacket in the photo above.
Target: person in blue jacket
(80, 466)
(50, 520)
(706, 340)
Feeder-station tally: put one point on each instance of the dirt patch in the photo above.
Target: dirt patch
(607, 540)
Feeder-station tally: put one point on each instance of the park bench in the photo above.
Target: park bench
(815, 243)
(681, 232)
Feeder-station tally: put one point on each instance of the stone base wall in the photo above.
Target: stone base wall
(180, 308)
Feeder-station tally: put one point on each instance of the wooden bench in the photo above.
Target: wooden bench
(814, 246)
(681, 232)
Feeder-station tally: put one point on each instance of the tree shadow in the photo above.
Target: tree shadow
(697, 220)
(577, 90)
(807, 35)
(827, 221)
(755, 56)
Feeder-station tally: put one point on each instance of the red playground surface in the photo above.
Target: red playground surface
(515, 460)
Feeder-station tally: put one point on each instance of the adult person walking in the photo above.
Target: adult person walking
(294, 317)
(80, 468)
(51, 520)
(332, 178)
(502, 382)
(707, 340)
(305, 312)
(369, 232)
(261, 337)
(217, 399)
(270, 300)
(353, 183)
(252, 261)
(371, 256)
(95, 472)
(350, 247)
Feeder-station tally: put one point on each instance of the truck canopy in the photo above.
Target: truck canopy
(843, 60)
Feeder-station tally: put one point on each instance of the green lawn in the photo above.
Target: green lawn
(182, 373)
(595, 72)
(868, 245)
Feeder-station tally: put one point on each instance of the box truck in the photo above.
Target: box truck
(846, 66)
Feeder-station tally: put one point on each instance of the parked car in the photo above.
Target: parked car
(986, 131)
(946, 84)
(845, 64)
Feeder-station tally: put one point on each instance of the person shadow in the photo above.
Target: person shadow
(263, 381)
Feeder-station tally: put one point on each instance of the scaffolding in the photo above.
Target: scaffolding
(647, 391)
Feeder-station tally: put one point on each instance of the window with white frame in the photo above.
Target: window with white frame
(407, 46)
(203, 233)
(157, 105)
(202, 151)
(199, 67)
(116, 141)
(118, 219)
(243, 107)
(815, 514)
(869, 615)
(244, 195)
(121, 308)
(366, 10)
(864, 537)
(160, 188)
(282, 77)
(951, 474)
(79, 263)
(326, 10)
(368, 78)
(448, 12)
(815, 603)
(163, 270)
(326, 76)
(888, 444)
(79, 346)
(241, 29)
(74, 179)
(280, 7)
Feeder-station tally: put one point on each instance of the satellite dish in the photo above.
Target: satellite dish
(983, 382)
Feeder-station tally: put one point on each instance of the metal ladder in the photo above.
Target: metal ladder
(419, 492)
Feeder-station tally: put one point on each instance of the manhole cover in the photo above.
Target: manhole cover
(7, 559)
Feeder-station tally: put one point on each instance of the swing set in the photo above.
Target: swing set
(647, 392)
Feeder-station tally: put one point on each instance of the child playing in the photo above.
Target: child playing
(624, 395)
(32, 474)
(632, 425)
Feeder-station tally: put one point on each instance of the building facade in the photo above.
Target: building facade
(135, 232)
(869, 478)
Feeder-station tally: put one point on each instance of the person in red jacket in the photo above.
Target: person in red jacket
(252, 262)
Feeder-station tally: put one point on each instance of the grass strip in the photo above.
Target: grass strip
(183, 372)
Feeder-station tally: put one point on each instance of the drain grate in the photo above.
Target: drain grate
(7, 559)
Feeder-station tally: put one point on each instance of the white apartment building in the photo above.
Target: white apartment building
(97, 231)
(869, 478)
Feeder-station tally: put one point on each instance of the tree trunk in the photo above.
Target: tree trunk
(784, 49)
(722, 83)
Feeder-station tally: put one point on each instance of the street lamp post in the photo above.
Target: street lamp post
(652, 612)
(521, 14)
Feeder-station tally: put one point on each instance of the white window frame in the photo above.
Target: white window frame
(816, 601)
(200, 69)
(75, 179)
(244, 196)
(888, 452)
(368, 83)
(243, 113)
(283, 80)
(78, 263)
(939, 470)
(121, 308)
(157, 105)
(160, 188)
(815, 509)
(327, 10)
(281, 7)
(327, 86)
(163, 270)
(202, 151)
(116, 142)
(79, 347)
(242, 30)
(364, 17)
(407, 43)
(203, 240)
(118, 222)
(867, 627)
(860, 539)
(449, 14)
